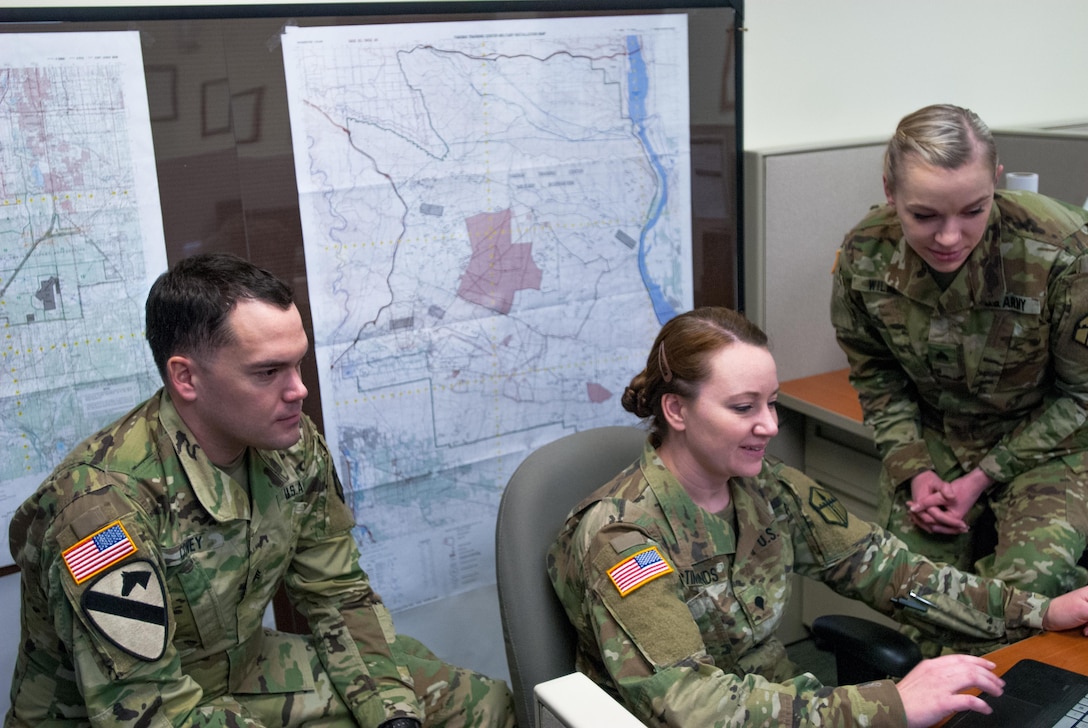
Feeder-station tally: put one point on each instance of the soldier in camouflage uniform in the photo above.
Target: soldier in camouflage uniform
(151, 553)
(677, 572)
(964, 315)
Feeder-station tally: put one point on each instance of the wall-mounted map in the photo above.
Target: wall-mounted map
(497, 220)
(81, 241)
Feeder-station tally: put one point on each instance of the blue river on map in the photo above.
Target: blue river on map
(638, 84)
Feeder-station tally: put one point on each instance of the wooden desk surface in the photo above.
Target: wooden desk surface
(1062, 649)
(828, 397)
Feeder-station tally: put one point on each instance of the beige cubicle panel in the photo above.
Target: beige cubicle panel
(1059, 156)
(799, 203)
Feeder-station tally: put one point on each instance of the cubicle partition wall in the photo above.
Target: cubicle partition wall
(799, 202)
(1058, 155)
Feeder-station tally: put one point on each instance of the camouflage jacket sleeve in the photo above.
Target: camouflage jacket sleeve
(134, 616)
(114, 687)
(885, 391)
(353, 631)
(652, 652)
(1060, 424)
(862, 561)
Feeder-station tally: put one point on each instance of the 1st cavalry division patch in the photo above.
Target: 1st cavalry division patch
(128, 606)
(638, 569)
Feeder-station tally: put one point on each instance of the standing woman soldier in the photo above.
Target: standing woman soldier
(964, 314)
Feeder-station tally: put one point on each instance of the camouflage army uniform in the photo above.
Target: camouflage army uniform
(696, 645)
(220, 552)
(991, 372)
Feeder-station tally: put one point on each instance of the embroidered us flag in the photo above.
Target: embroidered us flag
(638, 569)
(99, 551)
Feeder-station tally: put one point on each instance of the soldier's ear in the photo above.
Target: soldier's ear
(673, 407)
(181, 375)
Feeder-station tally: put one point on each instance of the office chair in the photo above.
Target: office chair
(540, 641)
(864, 650)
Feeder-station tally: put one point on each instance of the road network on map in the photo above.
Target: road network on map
(80, 239)
(497, 221)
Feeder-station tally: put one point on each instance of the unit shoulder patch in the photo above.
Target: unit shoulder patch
(1080, 334)
(828, 506)
(128, 606)
(638, 569)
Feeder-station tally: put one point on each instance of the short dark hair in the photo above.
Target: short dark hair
(679, 361)
(187, 306)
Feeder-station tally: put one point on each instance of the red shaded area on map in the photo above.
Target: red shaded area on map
(597, 393)
(498, 268)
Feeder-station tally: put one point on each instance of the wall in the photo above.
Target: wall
(847, 69)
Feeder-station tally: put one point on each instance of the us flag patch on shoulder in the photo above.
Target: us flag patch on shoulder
(99, 551)
(638, 569)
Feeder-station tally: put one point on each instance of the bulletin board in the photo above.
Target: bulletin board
(226, 163)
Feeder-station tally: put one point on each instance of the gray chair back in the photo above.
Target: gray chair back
(540, 641)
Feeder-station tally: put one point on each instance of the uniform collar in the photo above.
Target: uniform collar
(220, 495)
(691, 524)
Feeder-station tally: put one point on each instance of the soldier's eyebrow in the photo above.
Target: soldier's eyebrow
(269, 364)
(922, 207)
(276, 363)
(753, 394)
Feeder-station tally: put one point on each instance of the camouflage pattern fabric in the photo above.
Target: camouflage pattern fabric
(696, 645)
(103, 648)
(1044, 517)
(991, 372)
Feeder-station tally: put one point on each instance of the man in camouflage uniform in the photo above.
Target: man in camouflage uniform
(981, 372)
(695, 644)
(150, 555)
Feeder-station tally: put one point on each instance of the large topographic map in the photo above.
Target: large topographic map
(80, 242)
(497, 221)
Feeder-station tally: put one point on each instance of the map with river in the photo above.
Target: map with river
(497, 221)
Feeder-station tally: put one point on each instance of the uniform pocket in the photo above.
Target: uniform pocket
(1013, 359)
(199, 620)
